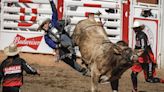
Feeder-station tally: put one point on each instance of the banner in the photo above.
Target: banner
(29, 42)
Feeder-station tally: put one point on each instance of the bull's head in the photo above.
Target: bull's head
(127, 53)
(125, 57)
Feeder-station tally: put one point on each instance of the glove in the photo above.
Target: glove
(69, 55)
(38, 72)
(140, 52)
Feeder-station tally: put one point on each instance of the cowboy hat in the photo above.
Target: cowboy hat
(42, 22)
(11, 50)
(137, 24)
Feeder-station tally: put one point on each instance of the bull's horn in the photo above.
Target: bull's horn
(118, 49)
(139, 52)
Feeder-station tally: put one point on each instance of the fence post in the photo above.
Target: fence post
(60, 9)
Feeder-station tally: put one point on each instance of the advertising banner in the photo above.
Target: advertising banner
(29, 42)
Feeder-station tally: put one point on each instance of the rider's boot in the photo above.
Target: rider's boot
(85, 72)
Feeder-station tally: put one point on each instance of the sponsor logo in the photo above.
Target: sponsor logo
(12, 70)
(33, 42)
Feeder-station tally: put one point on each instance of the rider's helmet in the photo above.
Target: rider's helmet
(42, 22)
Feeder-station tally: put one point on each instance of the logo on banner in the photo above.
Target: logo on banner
(33, 42)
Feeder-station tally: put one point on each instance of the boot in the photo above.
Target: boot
(149, 80)
(153, 80)
(85, 72)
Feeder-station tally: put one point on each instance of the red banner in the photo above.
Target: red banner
(33, 42)
(60, 9)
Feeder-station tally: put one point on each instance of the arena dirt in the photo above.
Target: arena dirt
(59, 77)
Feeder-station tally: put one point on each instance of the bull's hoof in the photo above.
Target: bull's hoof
(104, 80)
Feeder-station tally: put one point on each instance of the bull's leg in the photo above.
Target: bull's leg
(94, 82)
(114, 85)
(94, 78)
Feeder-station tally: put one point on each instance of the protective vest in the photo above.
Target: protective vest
(141, 40)
(54, 34)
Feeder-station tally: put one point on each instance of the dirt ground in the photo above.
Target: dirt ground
(59, 77)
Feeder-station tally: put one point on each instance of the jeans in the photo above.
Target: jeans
(67, 47)
(71, 61)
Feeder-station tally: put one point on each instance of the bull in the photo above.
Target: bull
(107, 61)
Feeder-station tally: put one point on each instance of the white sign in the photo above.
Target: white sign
(29, 42)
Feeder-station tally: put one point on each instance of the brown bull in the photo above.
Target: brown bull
(106, 60)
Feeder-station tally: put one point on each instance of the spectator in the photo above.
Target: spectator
(146, 61)
(11, 70)
(58, 39)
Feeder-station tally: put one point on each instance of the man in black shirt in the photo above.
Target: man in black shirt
(11, 70)
(147, 61)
